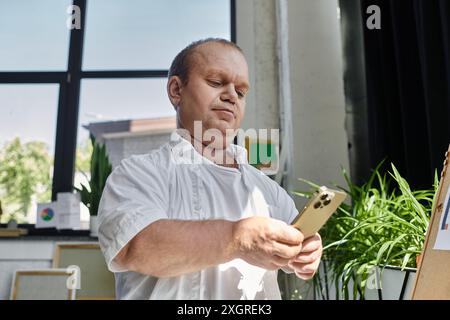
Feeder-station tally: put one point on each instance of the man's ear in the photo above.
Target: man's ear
(174, 88)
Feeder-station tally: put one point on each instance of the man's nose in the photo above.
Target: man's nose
(229, 94)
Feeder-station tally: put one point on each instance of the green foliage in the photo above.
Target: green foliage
(24, 173)
(83, 156)
(384, 225)
(100, 169)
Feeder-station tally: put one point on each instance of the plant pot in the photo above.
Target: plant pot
(395, 284)
(12, 224)
(93, 226)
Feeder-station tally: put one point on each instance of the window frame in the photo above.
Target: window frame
(69, 97)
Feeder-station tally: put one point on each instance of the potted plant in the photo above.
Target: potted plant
(375, 239)
(100, 169)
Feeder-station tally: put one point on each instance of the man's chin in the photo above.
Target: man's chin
(225, 127)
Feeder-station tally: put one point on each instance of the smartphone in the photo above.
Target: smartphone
(322, 204)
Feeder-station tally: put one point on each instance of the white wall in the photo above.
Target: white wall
(255, 28)
(318, 104)
(320, 139)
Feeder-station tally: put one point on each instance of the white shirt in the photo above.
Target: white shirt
(177, 182)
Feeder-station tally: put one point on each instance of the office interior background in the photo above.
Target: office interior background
(349, 84)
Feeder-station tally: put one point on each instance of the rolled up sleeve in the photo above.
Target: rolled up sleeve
(135, 195)
(287, 210)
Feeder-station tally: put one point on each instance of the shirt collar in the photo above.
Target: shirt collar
(184, 152)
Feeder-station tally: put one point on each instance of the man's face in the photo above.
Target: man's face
(215, 91)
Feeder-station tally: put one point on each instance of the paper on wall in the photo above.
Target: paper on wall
(47, 215)
(61, 214)
(69, 211)
(443, 235)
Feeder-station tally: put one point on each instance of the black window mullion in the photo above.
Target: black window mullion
(32, 77)
(125, 74)
(233, 21)
(59, 143)
(65, 149)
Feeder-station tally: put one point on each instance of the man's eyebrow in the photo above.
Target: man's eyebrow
(245, 86)
(214, 72)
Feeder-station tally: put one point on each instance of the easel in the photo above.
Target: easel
(433, 275)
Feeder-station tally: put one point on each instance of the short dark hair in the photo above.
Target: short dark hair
(181, 63)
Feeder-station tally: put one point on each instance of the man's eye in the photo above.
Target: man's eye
(240, 94)
(215, 83)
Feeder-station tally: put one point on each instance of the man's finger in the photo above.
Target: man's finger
(286, 251)
(308, 257)
(305, 267)
(302, 267)
(279, 261)
(289, 235)
(305, 276)
(312, 244)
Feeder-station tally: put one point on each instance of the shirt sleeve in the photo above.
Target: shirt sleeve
(286, 209)
(135, 195)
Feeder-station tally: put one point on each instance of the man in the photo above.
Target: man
(193, 220)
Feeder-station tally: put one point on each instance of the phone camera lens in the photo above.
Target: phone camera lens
(327, 202)
(323, 197)
(317, 205)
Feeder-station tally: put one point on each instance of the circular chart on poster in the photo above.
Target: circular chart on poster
(47, 214)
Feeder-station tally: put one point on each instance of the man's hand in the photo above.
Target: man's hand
(307, 262)
(266, 242)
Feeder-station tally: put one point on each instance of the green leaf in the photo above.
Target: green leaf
(100, 169)
(385, 224)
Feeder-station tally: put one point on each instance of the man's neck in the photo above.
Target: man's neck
(218, 155)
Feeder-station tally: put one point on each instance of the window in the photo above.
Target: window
(27, 136)
(122, 99)
(148, 34)
(54, 80)
(104, 100)
(33, 35)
